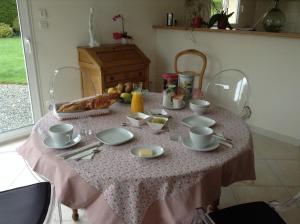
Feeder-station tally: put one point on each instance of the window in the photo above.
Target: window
(228, 6)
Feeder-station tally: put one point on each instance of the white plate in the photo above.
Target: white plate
(173, 108)
(156, 151)
(158, 112)
(196, 120)
(187, 142)
(48, 142)
(114, 136)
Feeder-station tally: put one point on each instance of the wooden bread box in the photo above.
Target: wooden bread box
(108, 65)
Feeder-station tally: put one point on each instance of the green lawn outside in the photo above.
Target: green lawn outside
(12, 67)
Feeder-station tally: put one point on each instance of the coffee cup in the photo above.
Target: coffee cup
(177, 103)
(201, 136)
(61, 134)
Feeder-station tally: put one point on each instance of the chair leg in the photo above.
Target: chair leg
(75, 215)
(59, 212)
(213, 206)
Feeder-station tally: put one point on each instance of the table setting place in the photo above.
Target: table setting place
(201, 135)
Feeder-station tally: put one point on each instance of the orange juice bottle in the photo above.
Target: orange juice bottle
(137, 102)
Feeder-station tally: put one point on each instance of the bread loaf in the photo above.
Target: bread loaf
(94, 103)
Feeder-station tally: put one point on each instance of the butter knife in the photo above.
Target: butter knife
(67, 155)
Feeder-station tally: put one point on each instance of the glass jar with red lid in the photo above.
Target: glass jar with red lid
(170, 79)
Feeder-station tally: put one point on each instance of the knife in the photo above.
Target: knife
(67, 155)
(85, 153)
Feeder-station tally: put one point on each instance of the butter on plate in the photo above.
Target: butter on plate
(147, 151)
(144, 152)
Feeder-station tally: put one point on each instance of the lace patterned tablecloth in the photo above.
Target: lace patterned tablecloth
(131, 185)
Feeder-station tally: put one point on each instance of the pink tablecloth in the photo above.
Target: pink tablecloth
(115, 187)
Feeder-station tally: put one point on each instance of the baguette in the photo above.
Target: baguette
(94, 103)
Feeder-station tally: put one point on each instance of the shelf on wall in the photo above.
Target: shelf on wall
(243, 32)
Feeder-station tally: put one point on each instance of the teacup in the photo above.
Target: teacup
(201, 136)
(61, 134)
(177, 103)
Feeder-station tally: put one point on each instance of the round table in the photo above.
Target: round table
(116, 187)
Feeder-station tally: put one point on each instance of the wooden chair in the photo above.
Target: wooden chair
(196, 53)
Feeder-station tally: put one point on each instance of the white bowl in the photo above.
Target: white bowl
(138, 119)
(199, 106)
(157, 126)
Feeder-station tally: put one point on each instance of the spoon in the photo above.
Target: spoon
(125, 124)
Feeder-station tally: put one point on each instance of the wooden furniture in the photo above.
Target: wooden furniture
(108, 65)
(196, 53)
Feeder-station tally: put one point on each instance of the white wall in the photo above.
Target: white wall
(68, 28)
(272, 65)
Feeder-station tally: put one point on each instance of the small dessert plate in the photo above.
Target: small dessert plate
(49, 143)
(138, 119)
(198, 121)
(114, 136)
(147, 151)
(214, 144)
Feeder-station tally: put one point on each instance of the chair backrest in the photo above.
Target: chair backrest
(29, 204)
(196, 53)
(66, 85)
(230, 89)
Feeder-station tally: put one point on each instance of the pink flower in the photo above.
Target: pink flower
(115, 18)
(117, 35)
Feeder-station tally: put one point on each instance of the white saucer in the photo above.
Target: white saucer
(187, 142)
(156, 151)
(48, 142)
(175, 108)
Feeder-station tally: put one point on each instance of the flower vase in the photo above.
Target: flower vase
(124, 41)
(274, 19)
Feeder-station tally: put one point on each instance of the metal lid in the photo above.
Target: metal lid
(173, 76)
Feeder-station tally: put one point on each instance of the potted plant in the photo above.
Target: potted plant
(221, 19)
(195, 9)
(123, 36)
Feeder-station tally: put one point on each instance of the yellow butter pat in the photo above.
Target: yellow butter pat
(145, 153)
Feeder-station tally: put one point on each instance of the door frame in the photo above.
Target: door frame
(31, 67)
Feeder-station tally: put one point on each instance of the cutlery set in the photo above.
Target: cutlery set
(84, 152)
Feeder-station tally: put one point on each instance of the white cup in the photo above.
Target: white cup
(61, 134)
(201, 136)
(177, 103)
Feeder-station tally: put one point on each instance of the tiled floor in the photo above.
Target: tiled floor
(277, 169)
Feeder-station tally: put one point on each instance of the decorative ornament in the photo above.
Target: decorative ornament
(274, 20)
(93, 41)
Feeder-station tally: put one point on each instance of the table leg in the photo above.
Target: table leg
(75, 215)
(213, 206)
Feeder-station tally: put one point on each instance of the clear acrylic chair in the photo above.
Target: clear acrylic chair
(66, 85)
(248, 213)
(230, 89)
